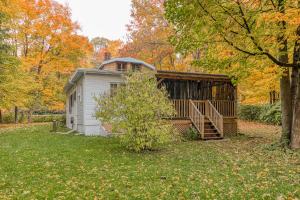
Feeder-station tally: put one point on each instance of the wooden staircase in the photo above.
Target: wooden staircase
(208, 124)
(210, 132)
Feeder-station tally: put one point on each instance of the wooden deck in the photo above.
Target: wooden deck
(212, 119)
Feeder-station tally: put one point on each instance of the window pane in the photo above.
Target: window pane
(113, 88)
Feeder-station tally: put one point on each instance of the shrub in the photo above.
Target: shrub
(270, 114)
(47, 118)
(250, 112)
(191, 134)
(137, 110)
(10, 118)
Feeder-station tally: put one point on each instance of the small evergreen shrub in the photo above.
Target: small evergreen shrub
(250, 112)
(269, 114)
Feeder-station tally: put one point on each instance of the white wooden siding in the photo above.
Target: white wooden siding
(95, 85)
(79, 101)
(77, 109)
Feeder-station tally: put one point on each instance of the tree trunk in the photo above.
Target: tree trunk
(16, 114)
(29, 118)
(294, 85)
(296, 60)
(295, 136)
(286, 107)
(285, 85)
(1, 117)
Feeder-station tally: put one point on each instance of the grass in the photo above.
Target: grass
(35, 164)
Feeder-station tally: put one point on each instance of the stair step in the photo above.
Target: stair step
(210, 131)
(213, 138)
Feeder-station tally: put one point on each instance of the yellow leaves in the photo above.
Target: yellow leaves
(47, 43)
(291, 16)
(255, 89)
(262, 174)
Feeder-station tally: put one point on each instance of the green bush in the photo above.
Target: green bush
(270, 114)
(250, 112)
(191, 134)
(137, 110)
(9, 118)
(47, 118)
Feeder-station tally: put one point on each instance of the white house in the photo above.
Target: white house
(85, 84)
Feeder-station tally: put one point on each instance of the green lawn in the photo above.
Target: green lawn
(35, 164)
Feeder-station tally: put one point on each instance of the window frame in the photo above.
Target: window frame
(72, 100)
(113, 86)
(121, 67)
(136, 67)
(80, 93)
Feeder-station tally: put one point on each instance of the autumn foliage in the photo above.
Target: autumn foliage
(44, 39)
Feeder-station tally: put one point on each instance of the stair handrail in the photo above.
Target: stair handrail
(197, 118)
(215, 117)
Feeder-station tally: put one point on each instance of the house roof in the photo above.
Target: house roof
(80, 72)
(127, 60)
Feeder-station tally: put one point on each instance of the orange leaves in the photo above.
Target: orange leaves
(45, 30)
(149, 34)
(47, 43)
(291, 16)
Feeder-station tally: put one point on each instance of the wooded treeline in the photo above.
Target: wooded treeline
(40, 47)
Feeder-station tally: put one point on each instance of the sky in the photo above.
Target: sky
(103, 18)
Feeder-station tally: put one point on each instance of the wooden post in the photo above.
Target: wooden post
(54, 126)
(16, 114)
(22, 116)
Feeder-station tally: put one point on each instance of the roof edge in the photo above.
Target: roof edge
(128, 60)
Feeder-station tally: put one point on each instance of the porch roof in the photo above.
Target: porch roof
(192, 76)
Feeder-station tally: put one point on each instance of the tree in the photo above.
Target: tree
(256, 87)
(138, 115)
(148, 36)
(112, 49)
(13, 89)
(46, 41)
(99, 43)
(255, 33)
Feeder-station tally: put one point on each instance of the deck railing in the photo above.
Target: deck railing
(215, 117)
(200, 104)
(196, 117)
(224, 107)
(181, 107)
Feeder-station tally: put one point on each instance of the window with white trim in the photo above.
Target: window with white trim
(121, 67)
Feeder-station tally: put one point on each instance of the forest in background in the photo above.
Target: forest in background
(41, 48)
